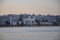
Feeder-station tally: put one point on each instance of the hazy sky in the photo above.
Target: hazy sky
(30, 6)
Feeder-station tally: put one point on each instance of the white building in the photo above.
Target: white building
(13, 19)
(30, 20)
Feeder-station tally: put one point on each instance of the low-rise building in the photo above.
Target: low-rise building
(13, 19)
(29, 20)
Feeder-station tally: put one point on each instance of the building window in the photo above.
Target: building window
(32, 21)
(46, 20)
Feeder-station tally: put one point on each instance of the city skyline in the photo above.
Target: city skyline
(30, 6)
(29, 20)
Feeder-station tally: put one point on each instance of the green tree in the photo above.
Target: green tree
(7, 23)
(37, 22)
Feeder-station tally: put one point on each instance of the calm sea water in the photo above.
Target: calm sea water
(30, 33)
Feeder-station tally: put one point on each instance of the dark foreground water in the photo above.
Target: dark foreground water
(30, 33)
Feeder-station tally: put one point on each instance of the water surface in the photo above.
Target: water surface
(30, 33)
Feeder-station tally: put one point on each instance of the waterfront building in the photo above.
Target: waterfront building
(29, 20)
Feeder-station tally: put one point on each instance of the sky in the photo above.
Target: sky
(43, 7)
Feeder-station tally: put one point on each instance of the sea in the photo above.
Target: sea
(30, 33)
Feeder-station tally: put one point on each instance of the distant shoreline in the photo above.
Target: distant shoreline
(34, 26)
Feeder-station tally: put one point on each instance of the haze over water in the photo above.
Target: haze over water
(30, 6)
